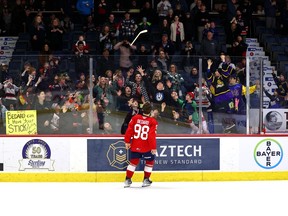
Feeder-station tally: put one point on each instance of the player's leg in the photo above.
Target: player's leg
(134, 161)
(149, 163)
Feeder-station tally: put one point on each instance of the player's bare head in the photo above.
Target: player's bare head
(147, 108)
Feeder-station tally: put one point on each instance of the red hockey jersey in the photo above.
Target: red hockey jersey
(141, 133)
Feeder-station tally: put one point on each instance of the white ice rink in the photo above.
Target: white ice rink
(245, 198)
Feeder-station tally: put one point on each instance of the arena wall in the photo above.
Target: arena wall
(104, 158)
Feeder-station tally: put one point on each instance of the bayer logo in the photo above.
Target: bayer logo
(268, 153)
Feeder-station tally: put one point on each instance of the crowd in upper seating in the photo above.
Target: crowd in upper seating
(147, 70)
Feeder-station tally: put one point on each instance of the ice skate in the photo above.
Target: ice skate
(146, 182)
(127, 183)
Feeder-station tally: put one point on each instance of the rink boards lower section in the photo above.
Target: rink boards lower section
(104, 159)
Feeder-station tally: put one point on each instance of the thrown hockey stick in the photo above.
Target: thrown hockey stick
(141, 32)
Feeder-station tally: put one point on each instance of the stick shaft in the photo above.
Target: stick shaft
(144, 31)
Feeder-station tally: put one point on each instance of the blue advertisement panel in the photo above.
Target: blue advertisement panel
(172, 154)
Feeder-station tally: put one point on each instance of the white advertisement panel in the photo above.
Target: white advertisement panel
(7, 45)
(253, 44)
(8, 40)
(263, 154)
(251, 40)
(254, 49)
(4, 59)
(229, 154)
(257, 58)
(268, 81)
(36, 154)
(70, 154)
(255, 53)
(275, 120)
(6, 51)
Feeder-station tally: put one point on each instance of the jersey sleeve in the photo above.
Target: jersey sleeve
(152, 134)
(129, 131)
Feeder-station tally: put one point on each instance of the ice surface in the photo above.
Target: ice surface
(161, 199)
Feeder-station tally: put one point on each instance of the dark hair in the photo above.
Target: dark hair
(147, 108)
(80, 42)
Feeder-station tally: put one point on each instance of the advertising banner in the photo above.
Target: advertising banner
(8, 39)
(172, 154)
(254, 49)
(251, 40)
(264, 154)
(7, 45)
(21, 122)
(253, 44)
(255, 66)
(36, 155)
(268, 82)
(276, 120)
(255, 53)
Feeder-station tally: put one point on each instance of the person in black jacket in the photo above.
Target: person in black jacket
(282, 87)
(134, 109)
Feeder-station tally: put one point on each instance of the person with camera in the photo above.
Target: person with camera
(126, 49)
(106, 39)
(28, 72)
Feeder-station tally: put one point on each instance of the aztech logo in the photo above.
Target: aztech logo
(268, 153)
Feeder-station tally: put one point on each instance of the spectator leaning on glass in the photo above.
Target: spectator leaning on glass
(222, 96)
(189, 113)
(139, 90)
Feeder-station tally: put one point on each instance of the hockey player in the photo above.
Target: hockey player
(140, 138)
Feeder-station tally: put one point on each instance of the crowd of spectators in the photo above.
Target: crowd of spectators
(144, 71)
